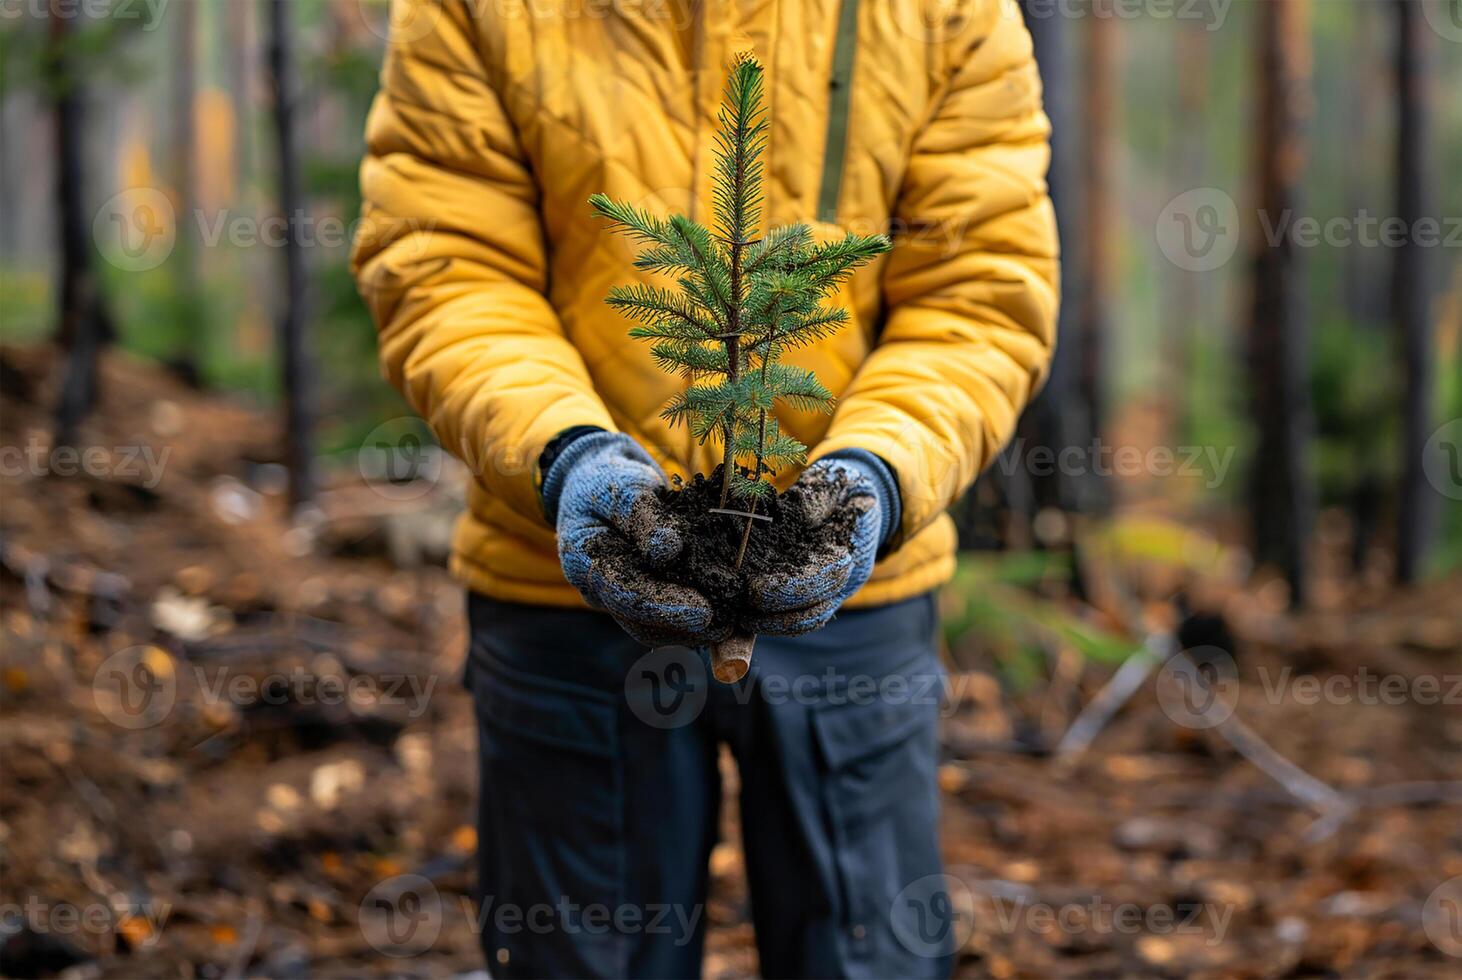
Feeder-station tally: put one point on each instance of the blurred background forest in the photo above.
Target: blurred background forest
(1260, 373)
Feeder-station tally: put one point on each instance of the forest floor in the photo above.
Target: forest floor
(226, 735)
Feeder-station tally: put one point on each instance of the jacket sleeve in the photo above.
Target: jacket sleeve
(971, 283)
(450, 259)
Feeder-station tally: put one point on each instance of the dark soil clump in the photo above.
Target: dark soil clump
(790, 539)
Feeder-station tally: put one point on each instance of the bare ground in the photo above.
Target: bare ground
(222, 730)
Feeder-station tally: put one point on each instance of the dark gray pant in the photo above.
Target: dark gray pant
(600, 792)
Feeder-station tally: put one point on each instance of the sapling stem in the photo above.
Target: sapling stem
(745, 537)
(761, 433)
(727, 462)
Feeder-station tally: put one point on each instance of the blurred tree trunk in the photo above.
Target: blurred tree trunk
(239, 24)
(1281, 501)
(1410, 289)
(1364, 286)
(1364, 269)
(1059, 416)
(1099, 86)
(1064, 413)
(1186, 152)
(296, 378)
(184, 359)
(84, 325)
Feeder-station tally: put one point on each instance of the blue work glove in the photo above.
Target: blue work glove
(804, 600)
(614, 535)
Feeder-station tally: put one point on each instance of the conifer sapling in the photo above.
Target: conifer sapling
(740, 302)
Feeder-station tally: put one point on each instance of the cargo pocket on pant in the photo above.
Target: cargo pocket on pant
(879, 788)
(552, 822)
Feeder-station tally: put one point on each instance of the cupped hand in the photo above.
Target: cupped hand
(615, 539)
(828, 573)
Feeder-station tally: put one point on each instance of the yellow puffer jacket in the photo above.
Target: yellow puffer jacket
(486, 273)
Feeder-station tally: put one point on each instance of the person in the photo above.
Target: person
(600, 755)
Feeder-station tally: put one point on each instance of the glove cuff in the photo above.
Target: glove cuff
(562, 452)
(885, 485)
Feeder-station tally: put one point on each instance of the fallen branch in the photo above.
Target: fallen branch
(1100, 710)
(239, 963)
(38, 571)
(1334, 806)
(1296, 781)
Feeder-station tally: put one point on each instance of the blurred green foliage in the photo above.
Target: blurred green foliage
(1016, 609)
(1355, 425)
(995, 603)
